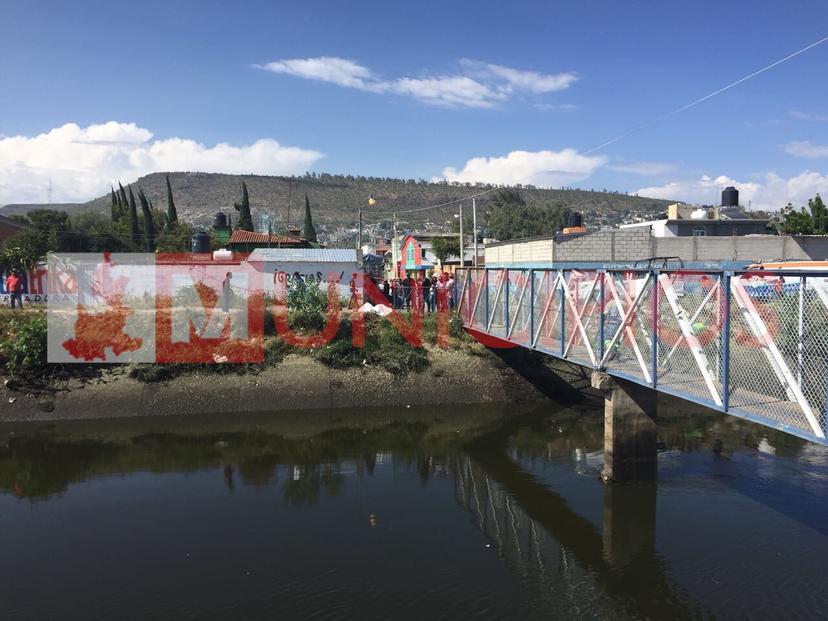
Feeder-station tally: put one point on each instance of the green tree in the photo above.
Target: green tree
(134, 229)
(55, 228)
(172, 215)
(49, 219)
(310, 232)
(445, 247)
(114, 209)
(245, 217)
(812, 220)
(176, 239)
(149, 224)
(94, 232)
(23, 250)
(819, 215)
(509, 217)
(122, 201)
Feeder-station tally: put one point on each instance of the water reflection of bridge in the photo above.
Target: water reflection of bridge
(573, 565)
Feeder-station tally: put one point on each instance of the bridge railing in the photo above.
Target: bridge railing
(753, 344)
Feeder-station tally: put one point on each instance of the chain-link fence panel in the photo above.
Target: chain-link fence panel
(628, 323)
(582, 317)
(519, 305)
(766, 324)
(547, 310)
(690, 335)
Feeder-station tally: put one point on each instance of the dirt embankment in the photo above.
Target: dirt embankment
(296, 383)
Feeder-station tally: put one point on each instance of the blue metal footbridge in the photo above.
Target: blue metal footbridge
(750, 343)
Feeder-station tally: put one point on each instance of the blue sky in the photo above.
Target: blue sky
(490, 91)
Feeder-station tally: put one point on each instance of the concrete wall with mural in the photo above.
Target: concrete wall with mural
(629, 245)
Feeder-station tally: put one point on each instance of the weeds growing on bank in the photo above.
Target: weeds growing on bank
(23, 345)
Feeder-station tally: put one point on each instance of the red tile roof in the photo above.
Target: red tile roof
(251, 237)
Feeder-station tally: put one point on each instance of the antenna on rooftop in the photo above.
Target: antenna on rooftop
(50, 191)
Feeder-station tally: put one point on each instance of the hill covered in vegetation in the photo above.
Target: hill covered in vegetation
(335, 200)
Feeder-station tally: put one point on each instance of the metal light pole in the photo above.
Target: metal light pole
(462, 255)
(474, 226)
(359, 234)
(394, 247)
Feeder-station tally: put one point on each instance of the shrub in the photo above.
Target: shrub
(23, 347)
(340, 353)
(307, 305)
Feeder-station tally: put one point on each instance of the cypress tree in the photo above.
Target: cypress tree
(172, 214)
(135, 231)
(113, 212)
(245, 217)
(149, 225)
(310, 232)
(123, 204)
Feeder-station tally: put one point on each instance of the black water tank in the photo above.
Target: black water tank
(220, 220)
(200, 242)
(575, 219)
(730, 197)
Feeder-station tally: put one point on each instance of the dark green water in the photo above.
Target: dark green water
(454, 514)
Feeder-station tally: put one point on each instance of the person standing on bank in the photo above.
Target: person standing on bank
(225, 292)
(406, 288)
(14, 286)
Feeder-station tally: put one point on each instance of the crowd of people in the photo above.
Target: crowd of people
(435, 292)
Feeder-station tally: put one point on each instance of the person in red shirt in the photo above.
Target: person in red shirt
(14, 286)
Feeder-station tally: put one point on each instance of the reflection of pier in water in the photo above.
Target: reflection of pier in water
(574, 566)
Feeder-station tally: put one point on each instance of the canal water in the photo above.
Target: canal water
(457, 513)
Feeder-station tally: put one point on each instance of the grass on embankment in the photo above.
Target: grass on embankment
(23, 348)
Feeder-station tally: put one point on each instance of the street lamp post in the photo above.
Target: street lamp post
(462, 255)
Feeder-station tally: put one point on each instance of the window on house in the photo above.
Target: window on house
(699, 231)
(423, 253)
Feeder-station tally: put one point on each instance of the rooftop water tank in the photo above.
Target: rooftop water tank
(699, 214)
(200, 242)
(575, 219)
(220, 220)
(222, 255)
(730, 197)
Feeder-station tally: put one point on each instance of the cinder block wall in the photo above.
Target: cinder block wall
(626, 245)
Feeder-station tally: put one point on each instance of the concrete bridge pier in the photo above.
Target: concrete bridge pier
(630, 434)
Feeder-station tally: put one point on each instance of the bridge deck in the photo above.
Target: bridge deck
(752, 344)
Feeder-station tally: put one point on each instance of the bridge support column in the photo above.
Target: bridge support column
(630, 435)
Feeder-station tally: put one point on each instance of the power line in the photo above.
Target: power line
(452, 202)
(667, 115)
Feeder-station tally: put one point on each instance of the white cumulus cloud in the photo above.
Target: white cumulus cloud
(540, 168)
(82, 162)
(805, 148)
(771, 192)
(476, 85)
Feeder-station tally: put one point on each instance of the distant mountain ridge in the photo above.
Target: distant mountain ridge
(20, 209)
(335, 200)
